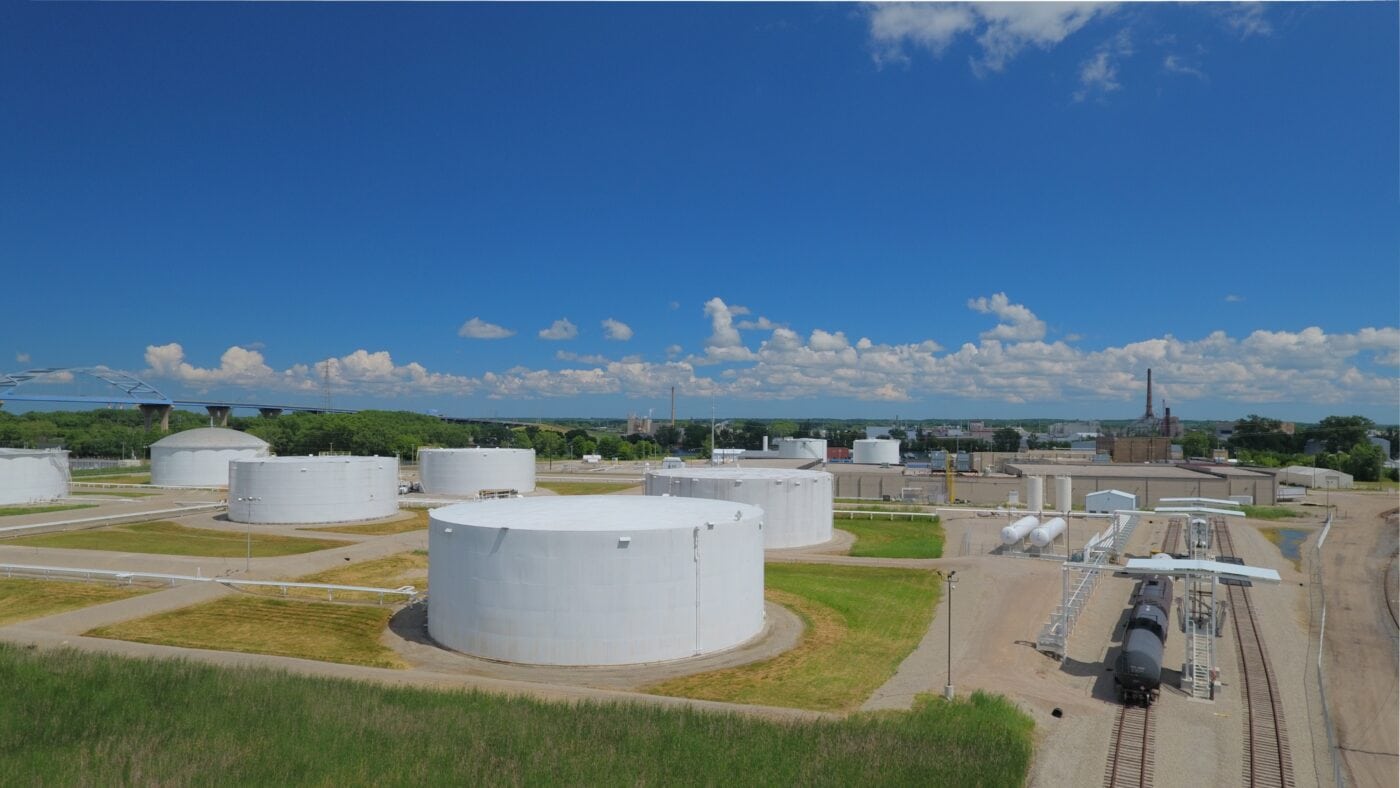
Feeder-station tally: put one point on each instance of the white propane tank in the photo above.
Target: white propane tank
(1064, 494)
(1046, 534)
(1035, 493)
(1018, 530)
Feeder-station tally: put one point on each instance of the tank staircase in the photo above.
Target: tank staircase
(1200, 613)
(1078, 580)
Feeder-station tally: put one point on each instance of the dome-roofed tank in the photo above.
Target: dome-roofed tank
(200, 457)
(796, 503)
(33, 475)
(332, 489)
(595, 580)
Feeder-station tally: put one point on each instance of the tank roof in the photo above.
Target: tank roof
(475, 450)
(30, 452)
(596, 513)
(211, 438)
(744, 473)
(313, 459)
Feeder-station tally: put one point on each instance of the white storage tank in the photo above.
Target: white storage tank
(469, 471)
(1046, 534)
(796, 503)
(33, 475)
(802, 449)
(594, 579)
(1064, 494)
(313, 489)
(875, 451)
(200, 457)
(1035, 493)
(1019, 530)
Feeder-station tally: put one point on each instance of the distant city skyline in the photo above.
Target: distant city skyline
(934, 211)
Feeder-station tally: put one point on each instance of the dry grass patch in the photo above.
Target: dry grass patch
(417, 522)
(258, 625)
(163, 537)
(587, 488)
(861, 623)
(392, 571)
(21, 600)
(13, 511)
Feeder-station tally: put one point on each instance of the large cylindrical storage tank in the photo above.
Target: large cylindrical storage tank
(200, 457)
(313, 489)
(469, 471)
(595, 580)
(796, 504)
(33, 475)
(875, 451)
(802, 449)
(1035, 493)
(1064, 493)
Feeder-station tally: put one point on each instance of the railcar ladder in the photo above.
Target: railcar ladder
(1199, 612)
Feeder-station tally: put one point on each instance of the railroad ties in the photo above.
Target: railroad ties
(1267, 760)
(1130, 760)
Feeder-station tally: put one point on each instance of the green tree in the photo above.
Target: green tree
(1197, 444)
(1006, 439)
(1365, 462)
(1339, 433)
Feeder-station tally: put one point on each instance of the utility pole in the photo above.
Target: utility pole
(952, 583)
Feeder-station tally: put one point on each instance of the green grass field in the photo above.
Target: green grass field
(893, 538)
(82, 719)
(1270, 512)
(11, 511)
(417, 522)
(875, 506)
(115, 493)
(122, 478)
(111, 471)
(259, 625)
(22, 599)
(586, 488)
(861, 623)
(163, 537)
(391, 571)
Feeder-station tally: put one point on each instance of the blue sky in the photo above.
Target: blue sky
(845, 210)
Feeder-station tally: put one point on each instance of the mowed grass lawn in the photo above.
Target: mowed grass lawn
(163, 537)
(126, 478)
(894, 538)
(392, 571)
(587, 488)
(259, 625)
(11, 511)
(1270, 512)
(73, 718)
(417, 522)
(22, 599)
(861, 623)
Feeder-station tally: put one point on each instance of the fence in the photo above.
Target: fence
(1315, 674)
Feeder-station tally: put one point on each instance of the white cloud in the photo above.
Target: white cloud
(616, 329)
(1177, 64)
(1002, 30)
(1017, 322)
(1246, 19)
(22, 358)
(476, 328)
(559, 329)
(1098, 76)
(824, 341)
(1233, 299)
(761, 324)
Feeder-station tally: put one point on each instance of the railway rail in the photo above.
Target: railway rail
(1172, 536)
(1267, 760)
(1130, 761)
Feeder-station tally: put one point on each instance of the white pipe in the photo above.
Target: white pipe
(29, 569)
(1018, 530)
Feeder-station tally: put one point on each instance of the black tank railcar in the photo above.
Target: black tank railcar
(1138, 671)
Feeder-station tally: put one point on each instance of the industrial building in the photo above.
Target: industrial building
(1315, 478)
(33, 475)
(200, 457)
(796, 503)
(595, 580)
(472, 471)
(313, 489)
(875, 451)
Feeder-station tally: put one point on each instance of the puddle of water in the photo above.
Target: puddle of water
(1290, 542)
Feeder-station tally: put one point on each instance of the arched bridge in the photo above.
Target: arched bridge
(126, 389)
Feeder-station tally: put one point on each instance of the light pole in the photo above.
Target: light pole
(248, 561)
(952, 583)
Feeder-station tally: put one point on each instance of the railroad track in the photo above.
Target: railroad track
(1173, 536)
(1267, 760)
(1130, 760)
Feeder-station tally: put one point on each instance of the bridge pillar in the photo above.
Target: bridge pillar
(150, 411)
(218, 414)
(270, 413)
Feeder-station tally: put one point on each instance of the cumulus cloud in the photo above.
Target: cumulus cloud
(1001, 30)
(761, 324)
(560, 329)
(1233, 299)
(724, 342)
(22, 358)
(617, 330)
(476, 328)
(1017, 322)
(1098, 76)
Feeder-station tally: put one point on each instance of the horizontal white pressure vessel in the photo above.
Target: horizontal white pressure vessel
(1048, 533)
(1018, 530)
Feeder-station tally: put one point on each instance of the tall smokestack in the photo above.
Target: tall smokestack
(1149, 414)
(1166, 420)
